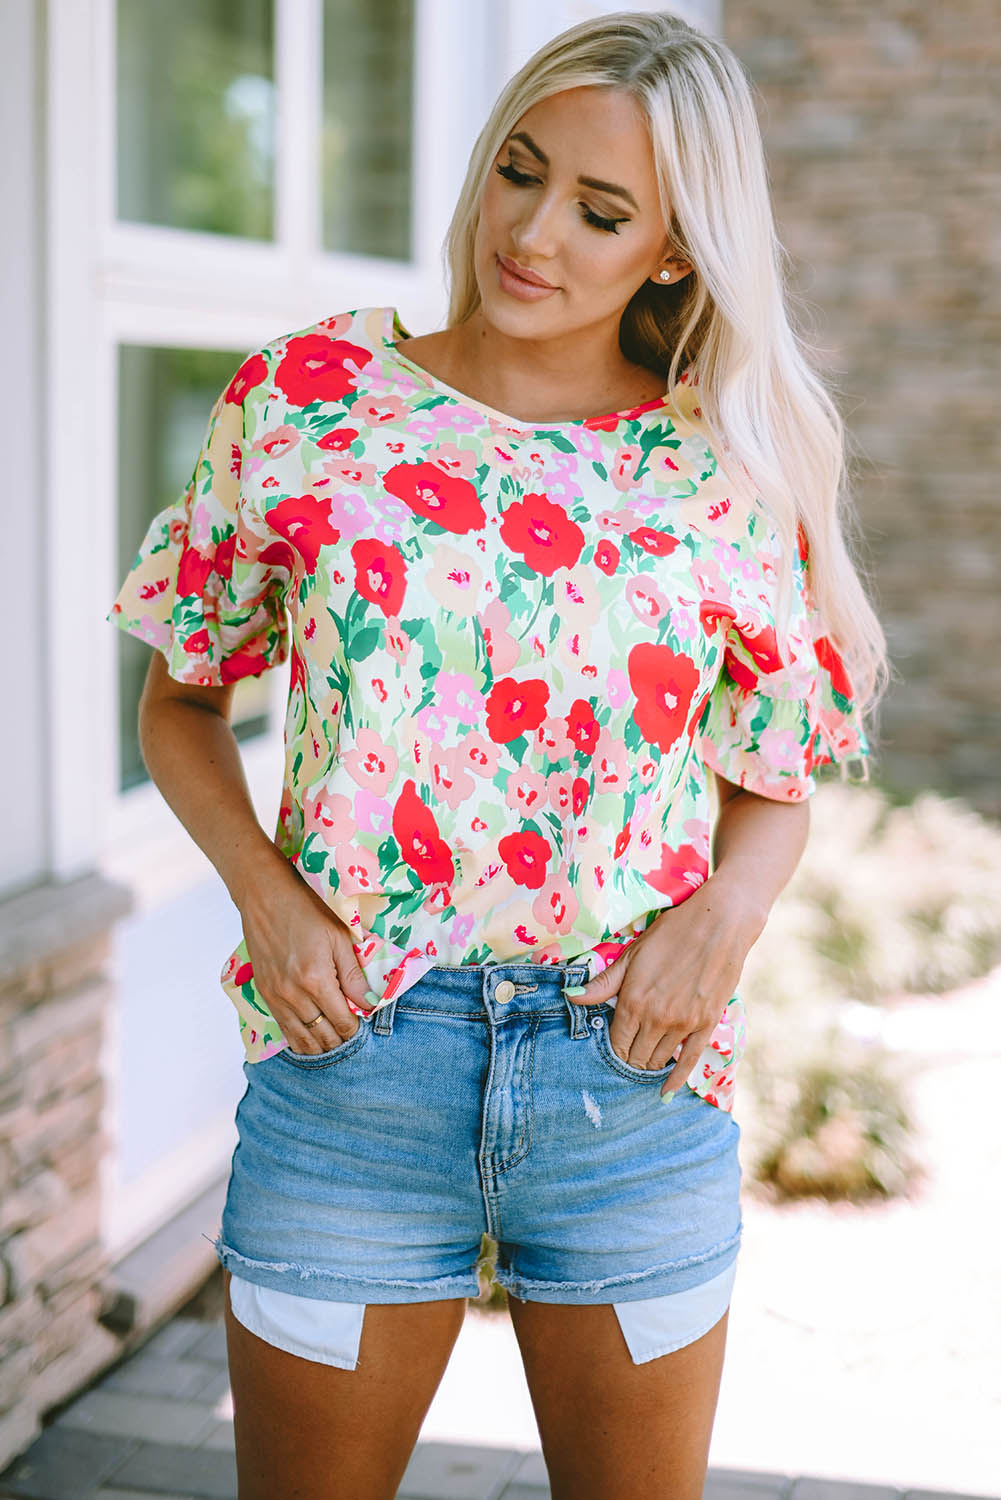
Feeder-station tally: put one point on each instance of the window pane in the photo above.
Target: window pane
(165, 398)
(196, 114)
(368, 60)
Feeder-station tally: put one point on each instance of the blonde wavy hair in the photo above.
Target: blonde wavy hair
(766, 411)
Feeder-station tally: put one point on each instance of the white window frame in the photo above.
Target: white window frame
(111, 282)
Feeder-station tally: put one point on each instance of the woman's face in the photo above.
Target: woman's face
(571, 195)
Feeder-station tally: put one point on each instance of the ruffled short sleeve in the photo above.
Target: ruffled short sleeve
(770, 722)
(207, 587)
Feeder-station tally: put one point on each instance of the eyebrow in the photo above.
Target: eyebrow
(593, 182)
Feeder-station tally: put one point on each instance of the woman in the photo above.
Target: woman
(536, 598)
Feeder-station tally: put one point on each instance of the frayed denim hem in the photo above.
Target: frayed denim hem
(310, 1281)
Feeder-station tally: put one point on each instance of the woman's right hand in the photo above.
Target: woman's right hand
(303, 958)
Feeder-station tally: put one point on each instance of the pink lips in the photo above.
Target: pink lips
(524, 274)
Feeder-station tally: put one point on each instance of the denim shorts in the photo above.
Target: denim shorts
(483, 1100)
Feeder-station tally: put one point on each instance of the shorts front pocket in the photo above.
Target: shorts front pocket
(340, 1053)
(603, 1046)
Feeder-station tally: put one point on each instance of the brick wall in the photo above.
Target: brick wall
(883, 137)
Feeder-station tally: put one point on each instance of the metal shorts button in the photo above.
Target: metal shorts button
(504, 992)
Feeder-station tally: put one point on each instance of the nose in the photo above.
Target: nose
(535, 231)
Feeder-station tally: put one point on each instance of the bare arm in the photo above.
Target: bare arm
(301, 952)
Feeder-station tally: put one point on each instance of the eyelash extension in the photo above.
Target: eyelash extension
(508, 170)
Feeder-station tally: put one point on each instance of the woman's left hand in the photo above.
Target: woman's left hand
(675, 980)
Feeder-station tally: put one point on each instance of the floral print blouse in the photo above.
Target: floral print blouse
(516, 652)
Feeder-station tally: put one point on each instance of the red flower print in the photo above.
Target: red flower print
(664, 684)
(250, 373)
(337, 439)
(192, 571)
(304, 521)
(712, 611)
(802, 544)
(740, 674)
(242, 664)
(582, 727)
(680, 872)
(223, 563)
(830, 659)
(762, 647)
(526, 855)
(580, 794)
(380, 574)
(543, 533)
(314, 369)
(437, 496)
(659, 543)
(421, 845)
(622, 841)
(514, 707)
(606, 557)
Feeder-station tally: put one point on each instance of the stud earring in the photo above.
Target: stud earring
(665, 275)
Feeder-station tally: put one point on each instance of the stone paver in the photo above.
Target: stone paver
(151, 1418)
(63, 1464)
(736, 1484)
(446, 1471)
(165, 1469)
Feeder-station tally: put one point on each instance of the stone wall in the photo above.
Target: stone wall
(883, 137)
(54, 994)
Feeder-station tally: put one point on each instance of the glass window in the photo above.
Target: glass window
(368, 62)
(165, 398)
(196, 114)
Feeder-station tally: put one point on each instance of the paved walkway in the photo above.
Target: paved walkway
(159, 1427)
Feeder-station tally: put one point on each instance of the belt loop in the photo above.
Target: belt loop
(382, 1018)
(578, 1013)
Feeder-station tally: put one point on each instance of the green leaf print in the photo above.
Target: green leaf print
(313, 858)
(363, 642)
(599, 469)
(559, 441)
(389, 853)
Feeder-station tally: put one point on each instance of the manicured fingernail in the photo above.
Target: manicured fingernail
(669, 1096)
(575, 990)
(372, 998)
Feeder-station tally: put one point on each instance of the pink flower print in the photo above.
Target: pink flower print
(276, 441)
(525, 792)
(454, 579)
(438, 899)
(781, 749)
(647, 770)
(623, 467)
(685, 620)
(458, 696)
(454, 460)
(451, 782)
(200, 532)
(460, 929)
(559, 790)
(525, 938)
(480, 754)
(330, 816)
(350, 515)
(708, 578)
(588, 444)
(358, 870)
(372, 764)
(396, 640)
(647, 602)
(372, 814)
(377, 410)
(697, 832)
(351, 471)
(669, 464)
(611, 764)
(552, 739)
(556, 906)
(617, 689)
(432, 722)
(622, 521)
(502, 648)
